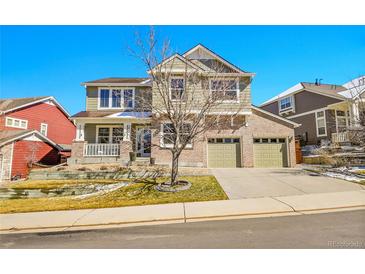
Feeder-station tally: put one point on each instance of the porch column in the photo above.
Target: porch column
(80, 132)
(127, 131)
(126, 145)
(355, 113)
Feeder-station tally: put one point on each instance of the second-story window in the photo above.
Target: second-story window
(44, 129)
(286, 103)
(177, 88)
(104, 98)
(128, 98)
(117, 98)
(17, 123)
(226, 90)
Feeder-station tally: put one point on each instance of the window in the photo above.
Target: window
(224, 90)
(286, 103)
(44, 128)
(225, 140)
(177, 88)
(117, 98)
(104, 98)
(109, 134)
(103, 135)
(117, 135)
(128, 98)
(18, 123)
(341, 120)
(169, 134)
(321, 124)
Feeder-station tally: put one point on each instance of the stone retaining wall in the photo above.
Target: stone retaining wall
(75, 175)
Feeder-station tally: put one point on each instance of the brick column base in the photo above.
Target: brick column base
(125, 148)
(77, 152)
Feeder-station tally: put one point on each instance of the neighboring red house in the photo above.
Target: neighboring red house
(34, 129)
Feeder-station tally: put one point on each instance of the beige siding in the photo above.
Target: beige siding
(92, 98)
(90, 133)
(198, 93)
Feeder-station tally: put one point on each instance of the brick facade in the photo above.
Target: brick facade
(258, 125)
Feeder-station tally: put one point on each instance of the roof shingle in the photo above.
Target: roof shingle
(6, 104)
(118, 80)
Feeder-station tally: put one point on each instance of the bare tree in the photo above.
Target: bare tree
(31, 157)
(356, 90)
(188, 98)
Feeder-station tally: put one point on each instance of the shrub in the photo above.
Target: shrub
(83, 169)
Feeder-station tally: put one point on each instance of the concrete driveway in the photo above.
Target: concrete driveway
(241, 183)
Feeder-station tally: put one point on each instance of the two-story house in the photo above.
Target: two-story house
(35, 129)
(325, 111)
(115, 123)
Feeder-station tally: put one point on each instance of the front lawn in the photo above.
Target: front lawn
(204, 188)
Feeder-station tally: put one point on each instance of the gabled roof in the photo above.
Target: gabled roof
(8, 136)
(11, 104)
(354, 88)
(329, 90)
(215, 56)
(122, 81)
(295, 125)
(183, 59)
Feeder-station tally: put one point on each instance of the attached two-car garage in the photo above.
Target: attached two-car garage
(267, 152)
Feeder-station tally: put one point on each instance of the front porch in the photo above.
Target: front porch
(343, 121)
(111, 142)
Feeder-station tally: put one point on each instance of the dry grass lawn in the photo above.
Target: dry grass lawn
(204, 188)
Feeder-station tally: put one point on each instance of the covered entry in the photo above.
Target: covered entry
(224, 152)
(270, 152)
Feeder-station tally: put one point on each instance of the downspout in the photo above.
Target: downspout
(288, 152)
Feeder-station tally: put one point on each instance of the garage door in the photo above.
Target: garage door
(224, 152)
(270, 152)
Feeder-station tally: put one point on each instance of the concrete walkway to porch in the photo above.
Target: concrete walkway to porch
(240, 183)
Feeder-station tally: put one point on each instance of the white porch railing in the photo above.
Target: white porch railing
(340, 137)
(102, 150)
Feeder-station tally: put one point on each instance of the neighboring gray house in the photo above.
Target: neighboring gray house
(325, 111)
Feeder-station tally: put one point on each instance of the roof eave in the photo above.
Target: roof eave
(85, 84)
(39, 101)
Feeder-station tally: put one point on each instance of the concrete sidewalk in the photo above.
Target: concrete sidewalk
(179, 212)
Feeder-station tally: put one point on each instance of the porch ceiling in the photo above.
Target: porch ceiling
(343, 106)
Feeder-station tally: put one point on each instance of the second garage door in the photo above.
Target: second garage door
(224, 152)
(270, 152)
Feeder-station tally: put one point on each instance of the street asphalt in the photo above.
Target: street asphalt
(326, 230)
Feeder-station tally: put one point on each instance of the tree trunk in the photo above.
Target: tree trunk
(174, 167)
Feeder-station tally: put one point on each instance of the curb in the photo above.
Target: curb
(58, 221)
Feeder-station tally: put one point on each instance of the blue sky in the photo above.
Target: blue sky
(54, 60)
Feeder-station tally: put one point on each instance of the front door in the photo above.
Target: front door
(143, 142)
